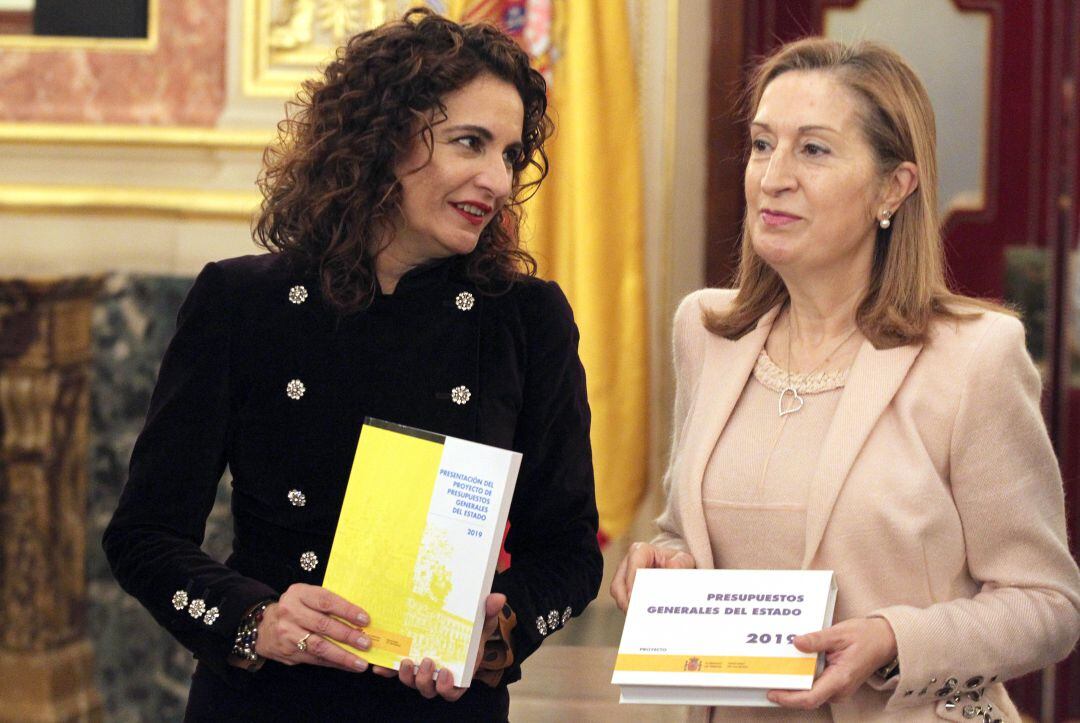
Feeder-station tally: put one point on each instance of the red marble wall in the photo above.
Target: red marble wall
(182, 82)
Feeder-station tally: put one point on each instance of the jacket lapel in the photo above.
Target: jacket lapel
(727, 366)
(872, 383)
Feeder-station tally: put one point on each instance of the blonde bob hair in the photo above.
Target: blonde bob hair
(907, 289)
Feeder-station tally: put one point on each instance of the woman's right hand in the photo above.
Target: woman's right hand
(642, 554)
(309, 613)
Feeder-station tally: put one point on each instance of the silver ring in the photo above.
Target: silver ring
(301, 644)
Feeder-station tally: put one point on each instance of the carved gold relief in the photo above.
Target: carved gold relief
(285, 41)
(44, 412)
(26, 403)
(26, 588)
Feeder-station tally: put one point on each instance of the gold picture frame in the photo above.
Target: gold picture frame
(48, 43)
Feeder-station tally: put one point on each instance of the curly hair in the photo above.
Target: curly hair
(329, 189)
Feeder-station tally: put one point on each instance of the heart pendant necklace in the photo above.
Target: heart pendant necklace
(794, 404)
(790, 401)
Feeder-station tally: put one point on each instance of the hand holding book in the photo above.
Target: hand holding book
(298, 628)
(643, 555)
(853, 650)
(431, 681)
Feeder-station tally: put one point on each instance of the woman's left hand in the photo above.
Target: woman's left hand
(423, 678)
(853, 650)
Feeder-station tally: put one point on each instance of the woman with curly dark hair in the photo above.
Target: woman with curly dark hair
(396, 288)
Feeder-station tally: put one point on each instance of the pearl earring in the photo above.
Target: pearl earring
(884, 222)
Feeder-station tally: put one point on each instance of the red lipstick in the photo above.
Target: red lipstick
(474, 212)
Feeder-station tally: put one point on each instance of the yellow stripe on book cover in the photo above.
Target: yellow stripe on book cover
(387, 499)
(731, 664)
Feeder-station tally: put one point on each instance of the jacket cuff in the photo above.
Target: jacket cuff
(926, 678)
(673, 542)
(212, 635)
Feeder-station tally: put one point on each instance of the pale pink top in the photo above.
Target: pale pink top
(755, 486)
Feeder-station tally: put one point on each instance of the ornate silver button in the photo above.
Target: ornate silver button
(197, 608)
(460, 395)
(211, 616)
(464, 301)
(948, 687)
(297, 498)
(541, 625)
(309, 561)
(179, 600)
(298, 294)
(566, 615)
(553, 619)
(970, 711)
(295, 389)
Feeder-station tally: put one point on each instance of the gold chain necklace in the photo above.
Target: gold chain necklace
(796, 402)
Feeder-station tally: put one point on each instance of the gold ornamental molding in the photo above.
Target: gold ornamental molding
(173, 202)
(132, 135)
(45, 43)
(285, 42)
(178, 202)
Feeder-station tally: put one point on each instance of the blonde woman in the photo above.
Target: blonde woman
(843, 410)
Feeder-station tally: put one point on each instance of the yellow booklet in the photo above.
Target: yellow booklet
(417, 542)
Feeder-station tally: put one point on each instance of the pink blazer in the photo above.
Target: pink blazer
(936, 499)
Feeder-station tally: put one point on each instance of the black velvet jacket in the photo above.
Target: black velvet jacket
(264, 378)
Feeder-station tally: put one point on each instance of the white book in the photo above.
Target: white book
(417, 542)
(721, 637)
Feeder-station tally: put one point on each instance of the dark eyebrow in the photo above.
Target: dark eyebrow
(802, 129)
(478, 130)
(482, 132)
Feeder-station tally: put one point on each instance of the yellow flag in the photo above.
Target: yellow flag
(585, 226)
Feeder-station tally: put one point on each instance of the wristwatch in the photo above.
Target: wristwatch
(247, 635)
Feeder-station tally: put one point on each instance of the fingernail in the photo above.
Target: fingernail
(363, 619)
(415, 669)
(360, 664)
(363, 642)
(435, 676)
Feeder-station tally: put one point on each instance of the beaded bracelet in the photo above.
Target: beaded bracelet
(248, 634)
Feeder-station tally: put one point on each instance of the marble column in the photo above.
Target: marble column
(46, 660)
